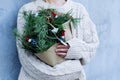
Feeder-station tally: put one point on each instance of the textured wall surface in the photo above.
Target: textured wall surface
(104, 13)
(9, 64)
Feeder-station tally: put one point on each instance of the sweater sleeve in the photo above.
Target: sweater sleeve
(83, 48)
(26, 58)
(20, 20)
(20, 25)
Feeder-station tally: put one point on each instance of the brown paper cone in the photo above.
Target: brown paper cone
(68, 30)
(50, 56)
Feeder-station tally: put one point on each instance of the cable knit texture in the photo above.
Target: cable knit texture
(82, 46)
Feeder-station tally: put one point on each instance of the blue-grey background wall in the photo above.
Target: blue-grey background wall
(104, 13)
(9, 63)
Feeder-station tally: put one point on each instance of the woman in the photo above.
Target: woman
(79, 50)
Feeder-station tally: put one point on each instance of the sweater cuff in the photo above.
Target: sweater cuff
(73, 51)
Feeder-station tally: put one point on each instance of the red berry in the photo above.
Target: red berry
(54, 14)
(63, 33)
(27, 39)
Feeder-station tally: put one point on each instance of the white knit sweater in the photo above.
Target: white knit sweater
(82, 46)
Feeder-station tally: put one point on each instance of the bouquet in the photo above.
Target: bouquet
(43, 30)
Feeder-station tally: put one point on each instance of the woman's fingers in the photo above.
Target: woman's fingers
(62, 54)
(58, 50)
(62, 46)
(61, 50)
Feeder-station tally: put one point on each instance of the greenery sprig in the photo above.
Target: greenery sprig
(43, 29)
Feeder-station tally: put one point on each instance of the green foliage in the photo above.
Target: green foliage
(38, 28)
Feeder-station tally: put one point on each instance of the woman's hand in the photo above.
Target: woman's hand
(61, 50)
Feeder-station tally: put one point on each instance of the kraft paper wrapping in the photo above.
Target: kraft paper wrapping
(49, 56)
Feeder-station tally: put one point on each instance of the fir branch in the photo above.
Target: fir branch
(40, 28)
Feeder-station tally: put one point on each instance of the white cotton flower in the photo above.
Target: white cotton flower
(36, 14)
(29, 40)
(55, 30)
(56, 16)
